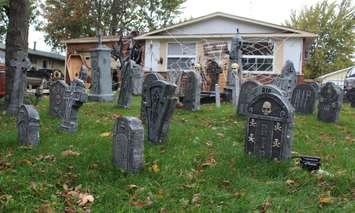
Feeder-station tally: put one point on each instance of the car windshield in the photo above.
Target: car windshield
(351, 73)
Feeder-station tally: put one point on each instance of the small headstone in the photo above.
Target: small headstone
(28, 125)
(192, 91)
(158, 104)
(304, 98)
(138, 77)
(128, 144)
(351, 96)
(148, 80)
(74, 97)
(269, 126)
(330, 102)
(56, 98)
(126, 89)
(287, 81)
(245, 96)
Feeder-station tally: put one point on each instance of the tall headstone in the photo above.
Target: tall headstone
(330, 102)
(128, 144)
(101, 87)
(287, 81)
(126, 89)
(74, 97)
(269, 126)
(148, 80)
(158, 103)
(351, 97)
(20, 65)
(28, 125)
(245, 96)
(304, 98)
(138, 77)
(192, 91)
(56, 98)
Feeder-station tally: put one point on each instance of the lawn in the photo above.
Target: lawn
(201, 168)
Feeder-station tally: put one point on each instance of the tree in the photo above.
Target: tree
(333, 23)
(16, 44)
(75, 18)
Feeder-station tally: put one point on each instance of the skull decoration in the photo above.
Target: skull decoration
(266, 108)
(235, 67)
(198, 67)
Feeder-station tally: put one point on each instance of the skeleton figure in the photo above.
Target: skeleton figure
(266, 110)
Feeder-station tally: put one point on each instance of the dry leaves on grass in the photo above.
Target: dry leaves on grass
(325, 199)
(70, 153)
(82, 198)
(106, 134)
(147, 203)
(155, 167)
(4, 165)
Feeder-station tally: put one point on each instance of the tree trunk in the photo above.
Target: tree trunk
(16, 46)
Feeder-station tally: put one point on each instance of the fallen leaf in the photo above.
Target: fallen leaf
(325, 198)
(155, 167)
(45, 208)
(70, 153)
(196, 199)
(139, 204)
(132, 186)
(106, 134)
(25, 162)
(265, 206)
(85, 198)
(290, 182)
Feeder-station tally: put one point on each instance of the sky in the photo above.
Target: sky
(274, 11)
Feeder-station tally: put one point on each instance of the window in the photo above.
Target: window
(181, 56)
(257, 55)
(45, 64)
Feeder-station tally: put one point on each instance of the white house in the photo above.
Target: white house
(266, 46)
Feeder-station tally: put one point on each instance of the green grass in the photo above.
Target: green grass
(202, 166)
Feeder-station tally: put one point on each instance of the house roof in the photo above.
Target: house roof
(289, 32)
(40, 53)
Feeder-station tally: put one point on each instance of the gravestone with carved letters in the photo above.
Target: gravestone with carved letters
(128, 144)
(138, 77)
(287, 81)
(56, 98)
(149, 78)
(330, 102)
(245, 96)
(304, 98)
(126, 89)
(351, 97)
(158, 105)
(192, 91)
(28, 125)
(269, 126)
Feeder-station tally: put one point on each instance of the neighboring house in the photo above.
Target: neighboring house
(337, 77)
(266, 46)
(39, 59)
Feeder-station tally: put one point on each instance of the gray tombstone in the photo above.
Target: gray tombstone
(269, 126)
(304, 98)
(245, 96)
(28, 125)
(330, 102)
(287, 81)
(19, 65)
(351, 97)
(74, 97)
(56, 98)
(128, 144)
(138, 77)
(126, 89)
(192, 91)
(151, 77)
(159, 103)
(101, 87)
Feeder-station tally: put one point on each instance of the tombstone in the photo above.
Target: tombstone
(192, 91)
(269, 126)
(138, 77)
(128, 144)
(330, 102)
(287, 81)
(351, 97)
(304, 98)
(126, 89)
(56, 98)
(101, 86)
(244, 97)
(19, 65)
(158, 103)
(148, 80)
(28, 125)
(74, 97)
(269, 88)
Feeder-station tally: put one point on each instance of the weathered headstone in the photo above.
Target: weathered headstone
(287, 81)
(138, 77)
(126, 89)
(128, 144)
(74, 97)
(101, 87)
(351, 96)
(148, 80)
(192, 91)
(28, 125)
(158, 103)
(269, 126)
(56, 98)
(245, 96)
(330, 102)
(269, 88)
(304, 98)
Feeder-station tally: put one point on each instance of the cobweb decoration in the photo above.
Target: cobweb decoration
(257, 55)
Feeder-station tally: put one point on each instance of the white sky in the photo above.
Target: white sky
(274, 11)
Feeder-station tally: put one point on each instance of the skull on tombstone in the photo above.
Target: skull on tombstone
(266, 110)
